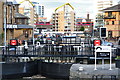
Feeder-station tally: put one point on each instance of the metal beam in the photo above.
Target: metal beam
(64, 5)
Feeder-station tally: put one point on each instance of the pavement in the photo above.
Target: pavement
(82, 71)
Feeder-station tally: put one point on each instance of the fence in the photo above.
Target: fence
(48, 49)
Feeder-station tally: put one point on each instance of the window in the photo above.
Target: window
(112, 22)
(109, 33)
(107, 23)
(119, 22)
(65, 26)
(119, 42)
(109, 13)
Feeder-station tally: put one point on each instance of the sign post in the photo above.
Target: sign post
(95, 61)
(104, 51)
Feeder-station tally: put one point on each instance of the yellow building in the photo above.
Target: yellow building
(64, 18)
(112, 20)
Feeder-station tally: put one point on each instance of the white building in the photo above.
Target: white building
(39, 9)
(102, 4)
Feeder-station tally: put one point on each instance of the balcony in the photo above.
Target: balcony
(109, 17)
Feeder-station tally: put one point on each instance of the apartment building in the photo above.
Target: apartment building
(64, 18)
(102, 4)
(39, 9)
(112, 20)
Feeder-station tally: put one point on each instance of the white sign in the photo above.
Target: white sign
(103, 48)
(12, 26)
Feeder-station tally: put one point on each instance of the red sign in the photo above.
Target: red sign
(97, 42)
(13, 42)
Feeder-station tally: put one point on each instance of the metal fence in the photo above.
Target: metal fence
(47, 49)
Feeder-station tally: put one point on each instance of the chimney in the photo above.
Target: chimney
(88, 15)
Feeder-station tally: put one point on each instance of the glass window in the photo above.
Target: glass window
(107, 23)
(109, 13)
(119, 22)
(112, 22)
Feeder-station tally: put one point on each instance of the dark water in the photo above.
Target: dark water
(28, 78)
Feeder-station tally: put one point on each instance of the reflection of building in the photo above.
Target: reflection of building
(17, 24)
(64, 18)
(85, 23)
(112, 20)
(102, 4)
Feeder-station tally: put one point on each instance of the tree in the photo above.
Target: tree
(82, 28)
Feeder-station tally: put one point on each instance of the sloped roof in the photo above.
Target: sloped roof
(113, 8)
(18, 15)
(64, 5)
(22, 26)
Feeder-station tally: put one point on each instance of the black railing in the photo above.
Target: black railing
(110, 17)
(47, 49)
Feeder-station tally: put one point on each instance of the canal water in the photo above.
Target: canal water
(37, 79)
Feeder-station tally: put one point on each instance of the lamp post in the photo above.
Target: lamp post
(5, 22)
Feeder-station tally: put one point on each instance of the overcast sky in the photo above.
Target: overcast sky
(82, 7)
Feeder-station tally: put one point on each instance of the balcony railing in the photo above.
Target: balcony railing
(110, 17)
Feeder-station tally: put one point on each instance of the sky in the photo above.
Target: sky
(82, 7)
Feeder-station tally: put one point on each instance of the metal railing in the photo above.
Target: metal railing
(48, 49)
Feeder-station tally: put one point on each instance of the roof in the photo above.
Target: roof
(113, 8)
(18, 15)
(19, 26)
(24, 26)
(12, 2)
(64, 5)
